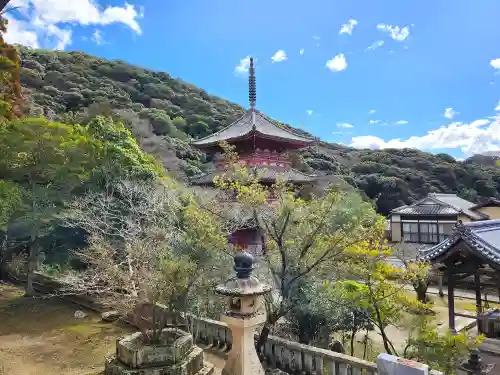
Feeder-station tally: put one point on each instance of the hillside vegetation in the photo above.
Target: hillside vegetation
(164, 113)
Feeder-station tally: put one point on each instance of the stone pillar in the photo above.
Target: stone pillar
(243, 358)
(246, 312)
(474, 366)
(391, 365)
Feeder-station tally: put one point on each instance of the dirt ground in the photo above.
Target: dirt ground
(41, 336)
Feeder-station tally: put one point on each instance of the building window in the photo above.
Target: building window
(428, 233)
(410, 232)
(423, 232)
(442, 235)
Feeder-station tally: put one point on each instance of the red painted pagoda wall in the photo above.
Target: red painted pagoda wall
(249, 239)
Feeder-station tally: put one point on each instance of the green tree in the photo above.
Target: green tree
(302, 238)
(10, 203)
(120, 155)
(147, 239)
(10, 73)
(50, 160)
(441, 351)
(420, 283)
(179, 123)
(382, 289)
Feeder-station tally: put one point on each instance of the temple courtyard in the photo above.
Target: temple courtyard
(41, 336)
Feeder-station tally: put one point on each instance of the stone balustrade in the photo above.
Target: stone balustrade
(286, 355)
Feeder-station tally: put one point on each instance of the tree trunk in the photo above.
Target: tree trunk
(32, 259)
(33, 247)
(264, 334)
(421, 290)
(353, 336)
(382, 330)
(3, 259)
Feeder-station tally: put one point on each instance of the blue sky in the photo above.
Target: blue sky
(426, 57)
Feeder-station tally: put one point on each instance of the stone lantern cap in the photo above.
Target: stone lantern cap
(244, 284)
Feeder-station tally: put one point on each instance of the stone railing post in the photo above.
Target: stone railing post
(391, 365)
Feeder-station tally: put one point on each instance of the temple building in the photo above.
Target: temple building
(472, 250)
(433, 218)
(262, 146)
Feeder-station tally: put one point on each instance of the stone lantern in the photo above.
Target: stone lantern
(246, 312)
(474, 365)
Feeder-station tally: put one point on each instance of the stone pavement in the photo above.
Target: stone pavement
(459, 293)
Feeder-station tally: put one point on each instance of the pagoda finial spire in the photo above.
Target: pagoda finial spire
(252, 94)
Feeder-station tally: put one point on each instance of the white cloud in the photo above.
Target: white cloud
(449, 113)
(97, 37)
(375, 45)
(279, 56)
(396, 32)
(345, 125)
(348, 27)
(337, 63)
(18, 32)
(471, 138)
(374, 122)
(316, 37)
(401, 122)
(497, 108)
(243, 66)
(371, 111)
(62, 36)
(309, 112)
(49, 23)
(302, 51)
(495, 63)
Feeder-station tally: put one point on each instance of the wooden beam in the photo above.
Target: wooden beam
(451, 301)
(466, 316)
(477, 282)
(3, 4)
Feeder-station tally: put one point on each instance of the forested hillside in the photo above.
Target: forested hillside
(164, 113)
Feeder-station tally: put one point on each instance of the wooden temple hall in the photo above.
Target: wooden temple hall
(471, 257)
(263, 147)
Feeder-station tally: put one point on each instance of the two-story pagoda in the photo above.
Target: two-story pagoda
(262, 145)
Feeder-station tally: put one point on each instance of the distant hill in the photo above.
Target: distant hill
(165, 113)
(488, 158)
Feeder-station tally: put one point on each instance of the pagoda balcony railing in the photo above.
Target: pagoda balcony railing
(270, 200)
(258, 157)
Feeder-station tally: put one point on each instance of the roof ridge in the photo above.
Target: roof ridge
(267, 118)
(224, 128)
(482, 223)
(433, 197)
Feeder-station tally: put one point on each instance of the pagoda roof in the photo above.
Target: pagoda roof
(264, 173)
(482, 237)
(253, 123)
